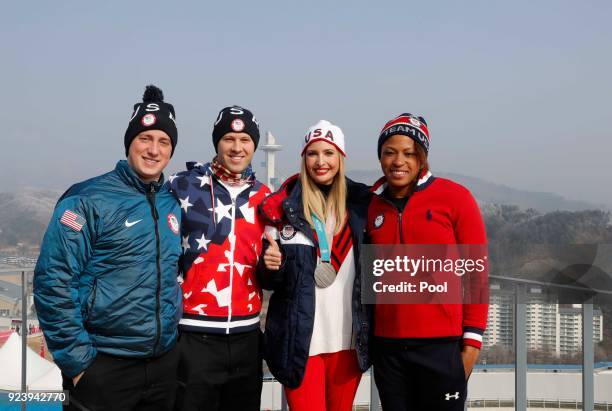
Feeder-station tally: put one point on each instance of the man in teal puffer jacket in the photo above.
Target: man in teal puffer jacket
(105, 283)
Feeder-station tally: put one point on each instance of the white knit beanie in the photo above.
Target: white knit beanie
(326, 131)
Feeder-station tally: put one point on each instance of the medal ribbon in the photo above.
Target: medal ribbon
(324, 248)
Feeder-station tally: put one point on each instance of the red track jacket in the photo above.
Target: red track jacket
(439, 211)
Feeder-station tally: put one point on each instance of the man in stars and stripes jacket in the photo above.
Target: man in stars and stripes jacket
(220, 342)
(221, 241)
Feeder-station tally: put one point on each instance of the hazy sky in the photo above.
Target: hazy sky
(515, 92)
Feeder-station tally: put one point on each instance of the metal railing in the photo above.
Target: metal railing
(536, 403)
(520, 401)
(23, 328)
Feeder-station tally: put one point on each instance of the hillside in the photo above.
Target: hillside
(24, 215)
(492, 193)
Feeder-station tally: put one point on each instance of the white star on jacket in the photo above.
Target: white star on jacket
(221, 210)
(185, 204)
(241, 267)
(248, 212)
(223, 296)
(172, 177)
(199, 309)
(203, 242)
(203, 180)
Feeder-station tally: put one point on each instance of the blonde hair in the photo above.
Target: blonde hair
(313, 200)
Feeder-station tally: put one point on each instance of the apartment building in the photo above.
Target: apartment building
(549, 326)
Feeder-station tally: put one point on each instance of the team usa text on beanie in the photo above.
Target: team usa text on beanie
(325, 131)
(238, 120)
(152, 114)
(406, 124)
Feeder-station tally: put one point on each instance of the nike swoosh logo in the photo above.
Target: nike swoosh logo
(129, 224)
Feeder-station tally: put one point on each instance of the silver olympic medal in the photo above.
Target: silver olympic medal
(324, 275)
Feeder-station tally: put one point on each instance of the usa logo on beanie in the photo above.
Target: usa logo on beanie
(408, 125)
(152, 114)
(238, 120)
(326, 131)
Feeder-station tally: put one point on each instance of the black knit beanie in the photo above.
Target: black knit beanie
(235, 119)
(152, 114)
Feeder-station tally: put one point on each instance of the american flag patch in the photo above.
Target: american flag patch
(72, 220)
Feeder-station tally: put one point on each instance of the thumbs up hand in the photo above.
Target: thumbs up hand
(273, 256)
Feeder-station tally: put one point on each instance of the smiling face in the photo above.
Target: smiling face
(235, 151)
(322, 162)
(149, 154)
(400, 164)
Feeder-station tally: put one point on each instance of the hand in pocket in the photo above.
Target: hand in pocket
(469, 356)
(76, 379)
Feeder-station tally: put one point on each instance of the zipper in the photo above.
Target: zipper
(232, 250)
(400, 227)
(151, 199)
(401, 232)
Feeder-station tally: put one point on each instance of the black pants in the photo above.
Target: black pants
(419, 375)
(220, 372)
(117, 384)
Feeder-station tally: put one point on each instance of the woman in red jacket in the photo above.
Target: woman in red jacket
(423, 353)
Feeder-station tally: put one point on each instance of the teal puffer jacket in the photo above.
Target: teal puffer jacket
(105, 279)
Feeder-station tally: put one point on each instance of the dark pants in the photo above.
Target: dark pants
(419, 375)
(113, 383)
(219, 372)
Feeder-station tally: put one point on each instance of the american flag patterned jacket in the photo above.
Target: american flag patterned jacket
(221, 241)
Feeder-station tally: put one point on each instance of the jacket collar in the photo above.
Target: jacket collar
(205, 169)
(289, 194)
(129, 177)
(201, 168)
(424, 181)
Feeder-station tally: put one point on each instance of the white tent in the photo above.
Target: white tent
(41, 374)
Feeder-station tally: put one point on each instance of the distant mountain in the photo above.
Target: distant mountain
(487, 192)
(24, 215)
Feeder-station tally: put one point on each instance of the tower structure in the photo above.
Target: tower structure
(270, 149)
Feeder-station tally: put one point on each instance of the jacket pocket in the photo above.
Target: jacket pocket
(276, 341)
(91, 300)
(460, 365)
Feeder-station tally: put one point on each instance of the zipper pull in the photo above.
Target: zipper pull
(401, 228)
(152, 201)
